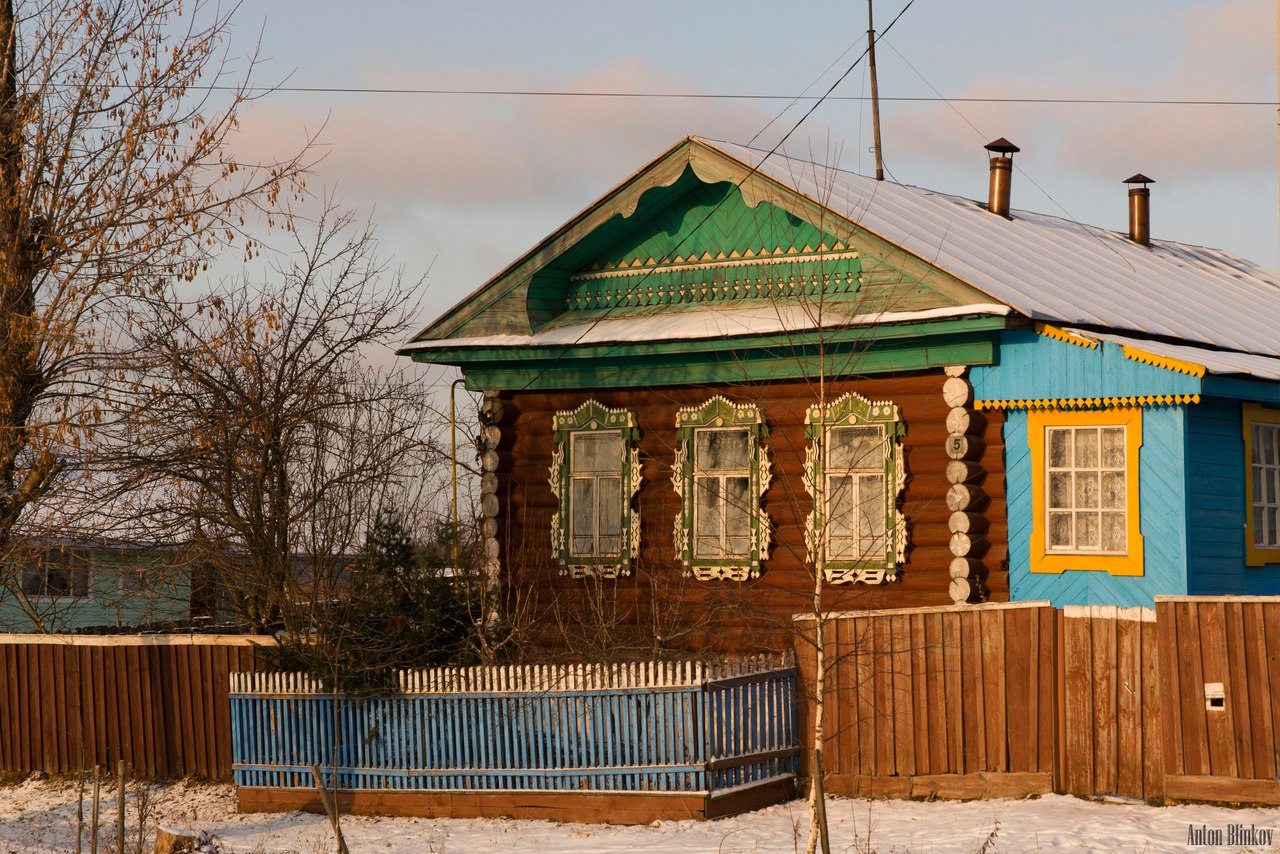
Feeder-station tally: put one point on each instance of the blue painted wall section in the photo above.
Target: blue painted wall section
(1035, 367)
(1216, 505)
(1162, 500)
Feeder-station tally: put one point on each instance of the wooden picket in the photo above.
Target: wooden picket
(653, 727)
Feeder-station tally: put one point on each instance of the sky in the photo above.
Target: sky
(460, 185)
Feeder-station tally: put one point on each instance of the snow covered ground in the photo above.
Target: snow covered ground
(38, 817)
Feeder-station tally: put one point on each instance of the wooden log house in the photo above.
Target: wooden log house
(736, 372)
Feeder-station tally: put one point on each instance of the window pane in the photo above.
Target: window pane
(1059, 448)
(1259, 436)
(1060, 530)
(1086, 531)
(581, 515)
(1113, 533)
(1060, 490)
(855, 447)
(721, 450)
(596, 452)
(737, 517)
(1086, 447)
(609, 500)
(1113, 447)
(1259, 526)
(33, 582)
(871, 507)
(707, 511)
(1086, 489)
(1113, 490)
(840, 506)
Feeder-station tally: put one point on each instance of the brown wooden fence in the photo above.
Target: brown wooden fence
(68, 703)
(1180, 702)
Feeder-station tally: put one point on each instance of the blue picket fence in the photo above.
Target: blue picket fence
(672, 727)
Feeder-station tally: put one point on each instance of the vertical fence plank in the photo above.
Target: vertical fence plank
(1102, 674)
(1078, 775)
(1240, 697)
(902, 708)
(1021, 710)
(1171, 741)
(1219, 725)
(1130, 691)
(1153, 719)
(1259, 668)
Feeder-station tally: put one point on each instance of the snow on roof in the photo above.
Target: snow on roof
(694, 324)
(1050, 268)
(1212, 361)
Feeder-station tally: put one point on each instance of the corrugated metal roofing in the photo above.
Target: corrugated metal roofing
(1051, 268)
(1220, 362)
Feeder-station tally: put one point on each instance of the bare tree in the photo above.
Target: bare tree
(268, 439)
(116, 182)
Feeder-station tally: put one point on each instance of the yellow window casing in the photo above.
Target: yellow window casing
(1255, 555)
(1048, 561)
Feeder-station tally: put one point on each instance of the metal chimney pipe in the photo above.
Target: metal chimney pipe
(1001, 175)
(1140, 210)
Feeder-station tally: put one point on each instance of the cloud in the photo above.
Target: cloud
(1222, 52)
(472, 152)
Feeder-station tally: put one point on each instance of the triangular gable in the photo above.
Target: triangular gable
(697, 225)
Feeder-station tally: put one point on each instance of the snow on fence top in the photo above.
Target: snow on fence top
(537, 678)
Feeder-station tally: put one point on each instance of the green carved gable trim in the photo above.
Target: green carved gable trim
(649, 214)
(712, 246)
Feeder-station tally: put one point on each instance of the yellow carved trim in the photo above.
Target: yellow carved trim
(1129, 563)
(1163, 361)
(1254, 414)
(1089, 402)
(1063, 335)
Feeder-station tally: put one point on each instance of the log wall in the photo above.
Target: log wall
(657, 608)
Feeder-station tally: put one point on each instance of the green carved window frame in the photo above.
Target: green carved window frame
(594, 422)
(719, 421)
(850, 418)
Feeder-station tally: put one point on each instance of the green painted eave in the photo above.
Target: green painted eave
(853, 351)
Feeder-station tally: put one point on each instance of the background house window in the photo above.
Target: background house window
(1262, 477)
(55, 579)
(721, 473)
(854, 471)
(1086, 501)
(595, 473)
(1084, 490)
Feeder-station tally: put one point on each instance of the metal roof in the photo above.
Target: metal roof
(1220, 362)
(1050, 268)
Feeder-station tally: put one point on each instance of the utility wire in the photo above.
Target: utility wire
(740, 96)
(752, 171)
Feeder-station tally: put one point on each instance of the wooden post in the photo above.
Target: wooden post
(120, 806)
(97, 793)
(330, 809)
(79, 809)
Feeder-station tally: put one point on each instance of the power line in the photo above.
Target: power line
(730, 96)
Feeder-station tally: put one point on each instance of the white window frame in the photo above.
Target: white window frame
(871, 565)
(719, 413)
(594, 418)
(1101, 470)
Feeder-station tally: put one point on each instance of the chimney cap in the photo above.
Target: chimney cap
(1139, 179)
(1002, 146)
